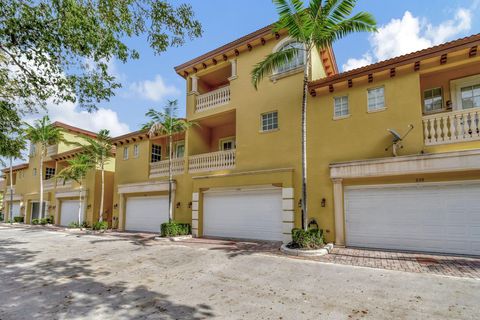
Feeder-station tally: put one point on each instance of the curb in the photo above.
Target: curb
(174, 239)
(307, 253)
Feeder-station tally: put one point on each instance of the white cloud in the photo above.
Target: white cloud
(69, 113)
(154, 90)
(409, 34)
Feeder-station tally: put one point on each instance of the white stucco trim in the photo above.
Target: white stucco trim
(70, 194)
(416, 164)
(153, 186)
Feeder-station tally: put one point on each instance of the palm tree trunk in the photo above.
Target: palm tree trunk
(304, 144)
(100, 217)
(170, 204)
(11, 192)
(40, 214)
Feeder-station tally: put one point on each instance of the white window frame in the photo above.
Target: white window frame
(283, 43)
(442, 96)
(34, 172)
(125, 153)
(159, 154)
(341, 116)
(33, 150)
(456, 87)
(376, 109)
(178, 144)
(136, 150)
(262, 128)
(221, 143)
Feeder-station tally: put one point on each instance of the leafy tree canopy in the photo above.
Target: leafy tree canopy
(58, 50)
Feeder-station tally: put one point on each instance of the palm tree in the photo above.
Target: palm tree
(100, 150)
(315, 27)
(167, 123)
(44, 133)
(77, 170)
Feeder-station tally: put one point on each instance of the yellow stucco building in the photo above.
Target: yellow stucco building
(61, 198)
(237, 172)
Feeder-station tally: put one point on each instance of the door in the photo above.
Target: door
(433, 218)
(69, 212)
(36, 210)
(248, 214)
(146, 213)
(15, 209)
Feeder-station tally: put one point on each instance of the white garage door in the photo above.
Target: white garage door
(69, 212)
(434, 218)
(146, 213)
(254, 214)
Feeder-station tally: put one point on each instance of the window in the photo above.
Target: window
(135, 151)
(125, 153)
(32, 149)
(156, 153)
(470, 96)
(270, 121)
(227, 144)
(49, 173)
(341, 107)
(298, 60)
(376, 99)
(180, 149)
(433, 100)
(34, 171)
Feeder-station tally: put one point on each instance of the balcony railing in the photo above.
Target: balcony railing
(52, 150)
(452, 127)
(160, 168)
(48, 184)
(212, 161)
(213, 99)
(62, 184)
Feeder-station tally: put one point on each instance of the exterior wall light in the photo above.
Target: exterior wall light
(89, 206)
(300, 203)
(190, 205)
(115, 206)
(323, 203)
(178, 205)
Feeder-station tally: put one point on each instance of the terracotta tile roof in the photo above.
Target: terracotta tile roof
(68, 127)
(17, 167)
(455, 45)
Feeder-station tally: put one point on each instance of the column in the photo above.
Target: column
(56, 218)
(233, 65)
(121, 212)
(288, 214)
(195, 197)
(194, 88)
(339, 214)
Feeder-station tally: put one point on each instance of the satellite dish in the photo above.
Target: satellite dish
(397, 139)
(396, 136)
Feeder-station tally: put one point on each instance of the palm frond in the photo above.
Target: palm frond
(272, 62)
(292, 17)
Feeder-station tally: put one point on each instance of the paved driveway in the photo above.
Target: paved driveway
(55, 275)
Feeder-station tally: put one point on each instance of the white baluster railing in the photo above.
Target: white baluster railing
(212, 99)
(67, 185)
(49, 184)
(451, 127)
(160, 168)
(212, 161)
(52, 150)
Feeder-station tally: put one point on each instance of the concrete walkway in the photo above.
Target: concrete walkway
(60, 275)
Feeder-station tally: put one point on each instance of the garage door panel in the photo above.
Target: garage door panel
(243, 214)
(443, 218)
(146, 213)
(69, 212)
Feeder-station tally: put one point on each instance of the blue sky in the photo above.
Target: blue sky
(406, 25)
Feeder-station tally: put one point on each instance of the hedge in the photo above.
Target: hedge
(18, 219)
(310, 239)
(173, 229)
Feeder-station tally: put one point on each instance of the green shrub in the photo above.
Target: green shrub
(36, 221)
(173, 229)
(310, 239)
(85, 225)
(73, 224)
(18, 219)
(100, 225)
(49, 220)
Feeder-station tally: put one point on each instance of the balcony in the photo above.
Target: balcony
(212, 161)
(62, 184)
(52, 150)
(48, 184)
(213, 99)
(452, 127)
(160, 168)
